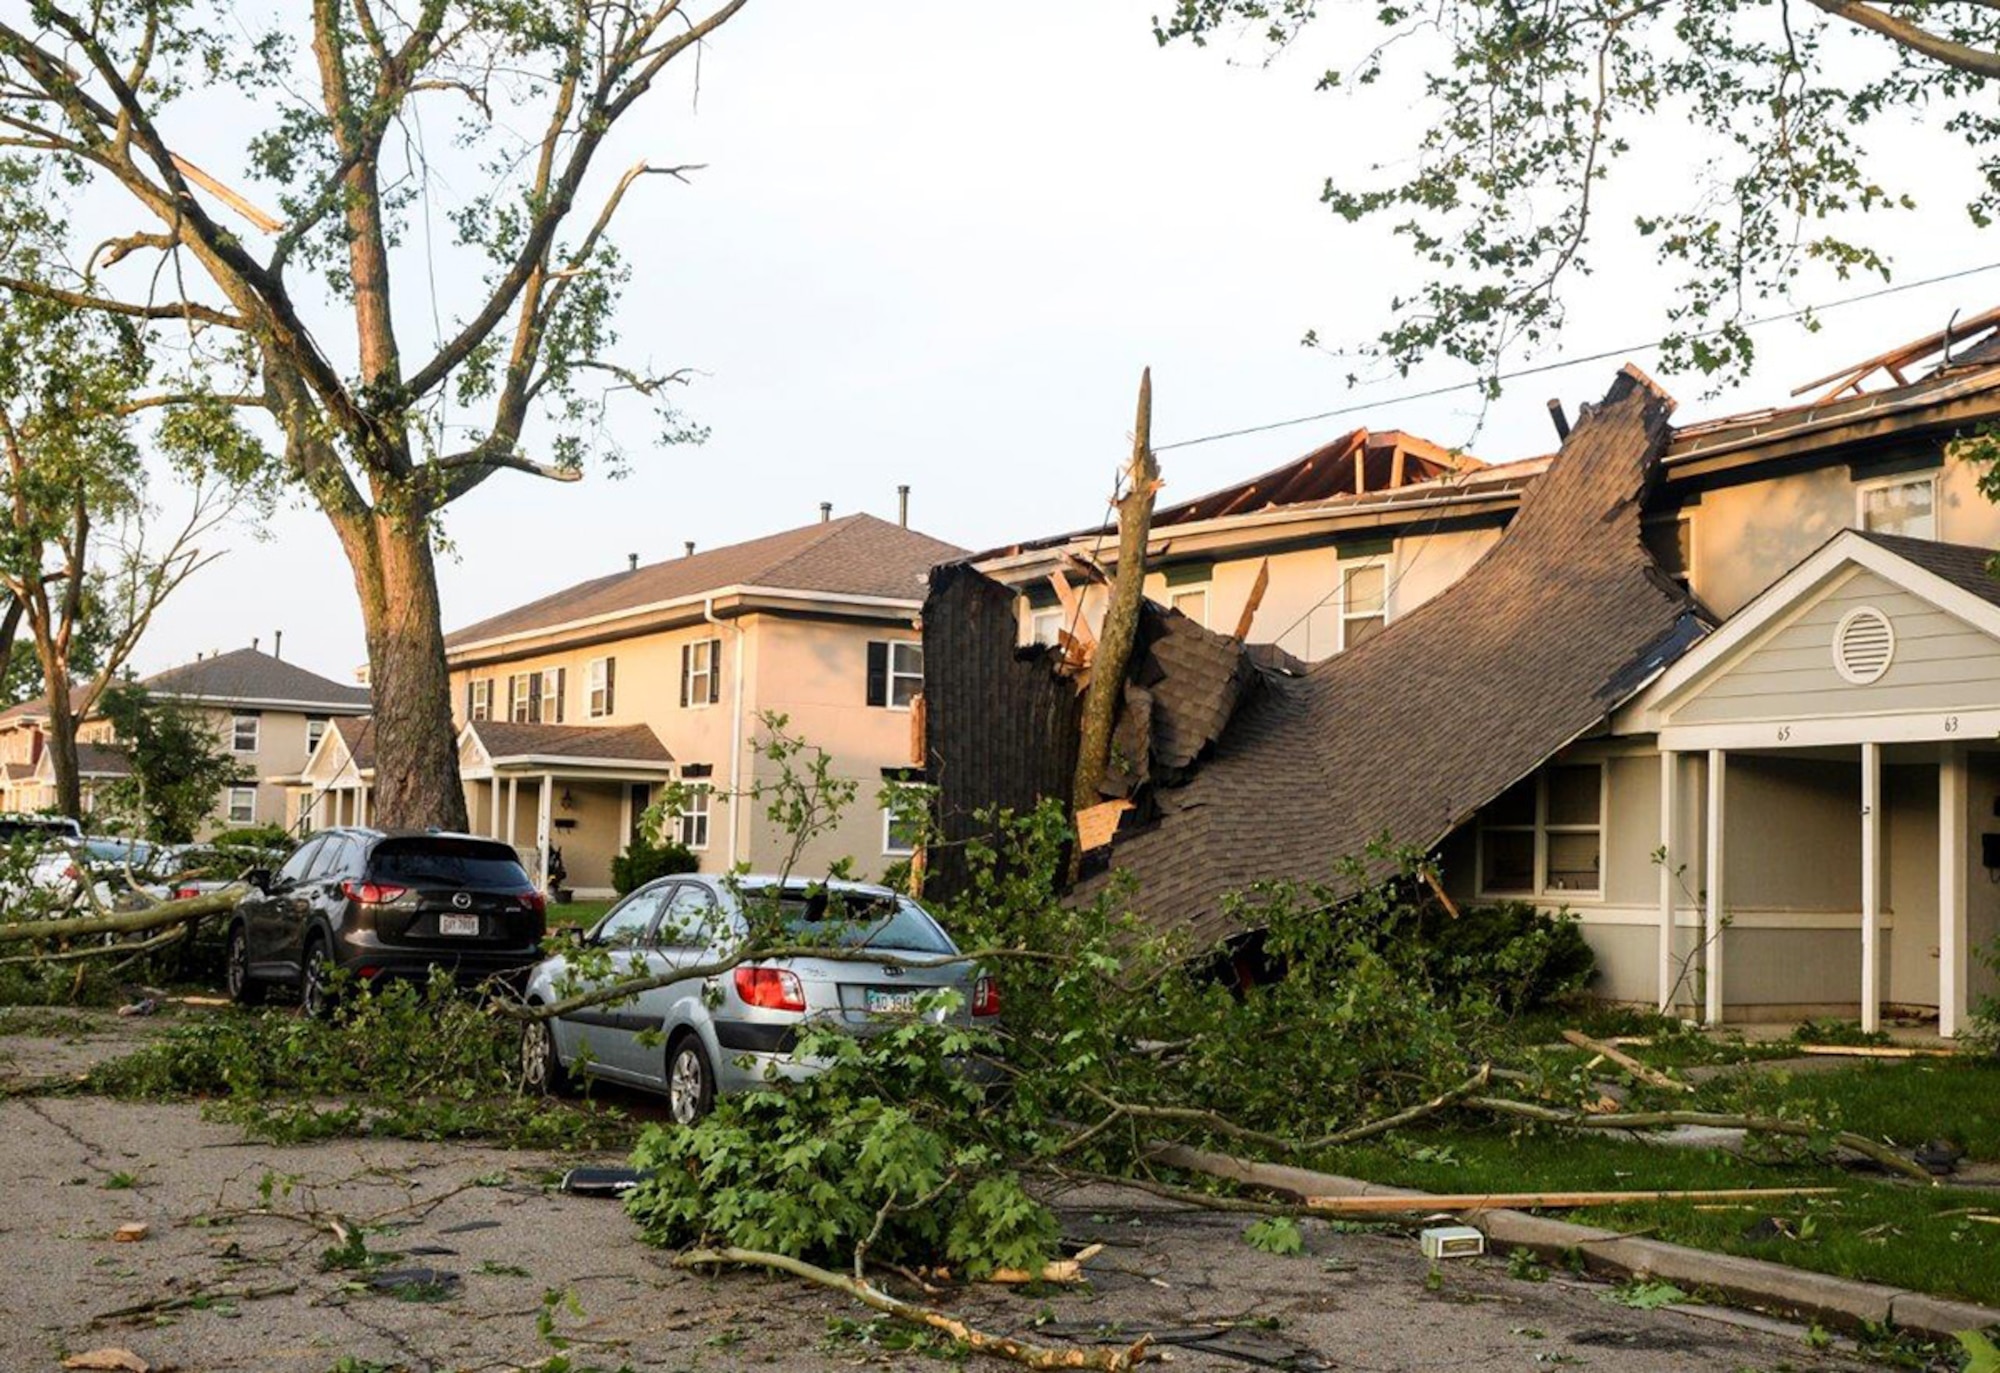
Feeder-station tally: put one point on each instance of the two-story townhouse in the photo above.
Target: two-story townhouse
(1729, 693)
(270, 714)
(575, 709)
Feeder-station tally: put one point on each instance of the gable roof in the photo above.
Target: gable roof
(1965, 567)
(856, 555)
(250, 677)
(506, 739)
(1410, 733)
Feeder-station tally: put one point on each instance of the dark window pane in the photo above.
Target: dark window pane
(446, 862)
(1508, 858)
(1573, 863)
(1573, 795)
(1516, 805)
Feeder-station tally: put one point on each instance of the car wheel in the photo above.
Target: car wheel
(690, 1082)
(542, 1071)
(316, 992)
(244, 989)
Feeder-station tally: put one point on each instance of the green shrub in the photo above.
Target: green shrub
(255, 837)
(1520, 956)
(644, 860)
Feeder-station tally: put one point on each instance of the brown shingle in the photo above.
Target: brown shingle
(1410, 733)
(1965, 567)
(251, 677)
(631, 743)
(856, 555)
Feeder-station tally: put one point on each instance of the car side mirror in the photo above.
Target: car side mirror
(260, 878)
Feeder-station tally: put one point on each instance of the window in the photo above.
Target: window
(600, 676)
(315, 731)
(1545, 835)
(689, 919)
(1046, 626)
(904, 807)
(628, 922)
(1670, 539)
(895, 673)
(536, 697)
(1898, 505)
(243, 734)
(1193, 603)
(1364, 602)
(701, 675)
(691, 821)
(335, 858)
(243, 805)
(479, 699)
(296, 866)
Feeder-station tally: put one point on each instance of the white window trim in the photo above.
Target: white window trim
(698, 690)
(312, 744)
(706, 813)
(229, 808)
(1542, 892)
(236, 723)
(1054, 616)
(889, 849)
(597, 688)
(1201, 589)
(519, 700)
(1341, 569)
(889, 681)
(1930, 479)
(481, 707)
(552, 702)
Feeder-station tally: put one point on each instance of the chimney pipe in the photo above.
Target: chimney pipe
(1560, 420)
(277, 643)
(690, 548)
(632, 562)
(254, 641)
(903, 505)
(825, 511)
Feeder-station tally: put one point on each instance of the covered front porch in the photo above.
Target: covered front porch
(567, 798)
(1829, 791)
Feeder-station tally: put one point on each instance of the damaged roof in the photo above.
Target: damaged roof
(1409, 734)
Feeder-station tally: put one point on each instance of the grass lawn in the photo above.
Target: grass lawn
(578, 913)
(1874, 1230)
(1905, 1101)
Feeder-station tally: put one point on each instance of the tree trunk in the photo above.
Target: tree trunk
(61, 732)
(416, 757)
(1121, 618)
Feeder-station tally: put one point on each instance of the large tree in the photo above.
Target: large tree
(1759, 140)
(330, 106)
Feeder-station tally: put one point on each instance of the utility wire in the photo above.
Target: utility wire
(1561, 363)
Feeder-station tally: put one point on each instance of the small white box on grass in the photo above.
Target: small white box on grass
(1453, 1242)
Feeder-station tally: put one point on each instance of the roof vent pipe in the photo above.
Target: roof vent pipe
(254, 641)
(825, 511)
(903, 505)
(631, 562)
(277, 643)
(689, 546)
(1559, 419)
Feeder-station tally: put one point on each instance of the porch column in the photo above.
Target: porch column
(1713, 871)
(361, 804)
(1669, 847)
(1951, 888)
(493, 819)
(1871, 888)
(513, 808)
(542, 829)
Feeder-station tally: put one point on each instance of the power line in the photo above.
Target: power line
(1559, 364)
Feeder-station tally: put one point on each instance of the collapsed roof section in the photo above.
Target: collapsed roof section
(1409, 734)
(1355, 464)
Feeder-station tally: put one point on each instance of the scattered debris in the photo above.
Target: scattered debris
(601, 1182)
(131, 1232)
(466, 1227)
(143, 1006)
(1059, 1270)
(1452, 1242)
(419, 1283)
(1652, 1077)
(1939, 1156)
(1873, 1051)
(109, 1361)
(199, 1297)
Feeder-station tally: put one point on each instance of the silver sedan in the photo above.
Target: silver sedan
(696, 1037)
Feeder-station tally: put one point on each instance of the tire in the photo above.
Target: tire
(244, 989)
(690, 1081)
(542, 1070)
(316, 995)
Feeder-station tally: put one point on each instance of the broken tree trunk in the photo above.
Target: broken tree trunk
(153, 917)
(1110, 1358)
(1121, 617)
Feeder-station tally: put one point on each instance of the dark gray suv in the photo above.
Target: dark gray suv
(382, 905)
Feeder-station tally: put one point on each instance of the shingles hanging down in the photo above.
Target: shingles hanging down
(1409, 734)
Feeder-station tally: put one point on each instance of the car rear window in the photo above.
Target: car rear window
(134, 852)
(855, 920)
(446, 862)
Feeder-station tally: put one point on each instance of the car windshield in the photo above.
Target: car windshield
(446, 863)
(123, 851)
(854, 919)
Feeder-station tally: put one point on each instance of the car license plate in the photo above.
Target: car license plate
(458, 924)
(892, 1003)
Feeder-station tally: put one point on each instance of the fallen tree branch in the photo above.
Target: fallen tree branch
(1650, 1120)
(153, 917)
(1652, 1077)
(1543, 1201)
(173, 935)
(225, 1292)
(1028, 1355)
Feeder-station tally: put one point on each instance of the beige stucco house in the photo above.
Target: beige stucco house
(269, 713)
(575, 709)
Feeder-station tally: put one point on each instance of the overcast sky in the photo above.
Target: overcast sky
(935, 244)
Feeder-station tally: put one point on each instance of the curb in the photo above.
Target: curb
(1794, 1291)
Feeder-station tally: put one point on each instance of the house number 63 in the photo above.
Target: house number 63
(1951, 724)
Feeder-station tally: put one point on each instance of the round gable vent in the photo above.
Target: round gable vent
(1864, 644)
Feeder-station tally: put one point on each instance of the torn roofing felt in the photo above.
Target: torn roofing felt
(1409, 734)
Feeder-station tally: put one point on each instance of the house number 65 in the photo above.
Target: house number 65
(1784, 733)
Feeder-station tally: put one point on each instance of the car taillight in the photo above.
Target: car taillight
(986, 995)
(186, 893)
(371, 893)
(535, 901)
(72, 873)
(774, 989)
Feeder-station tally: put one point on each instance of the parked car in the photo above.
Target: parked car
(37, 829)
(123, 873)
(380, 905)
(696, 1038)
